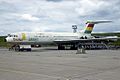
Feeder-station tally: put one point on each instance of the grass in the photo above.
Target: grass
(109, 34)
(106, 34)
(2, 42)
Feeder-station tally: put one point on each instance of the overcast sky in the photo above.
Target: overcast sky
(57, 15)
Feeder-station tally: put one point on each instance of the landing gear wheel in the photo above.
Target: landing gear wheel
(73, 47)
(17, 48)
(61, 47)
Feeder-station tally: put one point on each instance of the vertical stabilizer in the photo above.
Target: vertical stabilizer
(90, 25)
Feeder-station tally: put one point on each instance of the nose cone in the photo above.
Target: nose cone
(8, 39)
(5, 40)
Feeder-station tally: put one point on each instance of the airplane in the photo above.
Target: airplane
(24, 40)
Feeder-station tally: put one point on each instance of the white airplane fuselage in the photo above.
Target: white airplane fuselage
(43, 37)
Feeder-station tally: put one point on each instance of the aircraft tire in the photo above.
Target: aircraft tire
(61, 47)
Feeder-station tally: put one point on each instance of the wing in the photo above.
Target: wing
(83, 40)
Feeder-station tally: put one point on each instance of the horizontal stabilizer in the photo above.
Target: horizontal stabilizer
(96, 22)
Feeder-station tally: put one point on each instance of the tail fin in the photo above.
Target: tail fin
(90, 25)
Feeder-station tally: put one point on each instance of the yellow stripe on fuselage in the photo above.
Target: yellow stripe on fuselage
(89, 28)
(23, 36)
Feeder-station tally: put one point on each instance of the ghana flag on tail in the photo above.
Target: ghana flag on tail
(89, 28)
(90, 25)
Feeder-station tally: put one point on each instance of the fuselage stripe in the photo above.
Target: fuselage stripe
(23, 36)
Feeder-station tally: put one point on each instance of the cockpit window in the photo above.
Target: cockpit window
(9, 35)
(15, 36)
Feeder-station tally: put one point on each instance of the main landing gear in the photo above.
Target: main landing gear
(63, 47)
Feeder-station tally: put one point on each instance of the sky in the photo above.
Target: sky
(57, 15)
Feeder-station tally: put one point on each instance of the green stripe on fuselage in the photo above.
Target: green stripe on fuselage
(86, 31)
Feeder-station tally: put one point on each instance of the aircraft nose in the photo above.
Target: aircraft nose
(5, 40)
(8, 39)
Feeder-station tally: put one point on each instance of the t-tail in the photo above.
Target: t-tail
(90, 25)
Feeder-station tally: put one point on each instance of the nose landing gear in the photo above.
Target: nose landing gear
(20, 48)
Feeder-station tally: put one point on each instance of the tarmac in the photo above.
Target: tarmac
(48, 63)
